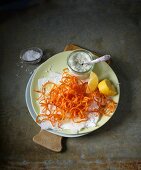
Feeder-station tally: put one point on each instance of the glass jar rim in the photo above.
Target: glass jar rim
(77, 51)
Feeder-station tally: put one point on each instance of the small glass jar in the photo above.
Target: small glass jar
(76, 66)
(30, 52)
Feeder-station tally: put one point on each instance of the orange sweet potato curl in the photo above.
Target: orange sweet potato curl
(68, 100)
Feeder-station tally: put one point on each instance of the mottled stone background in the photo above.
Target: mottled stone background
(106, 26)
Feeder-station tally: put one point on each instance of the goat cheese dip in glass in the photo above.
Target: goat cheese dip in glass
(76, 63)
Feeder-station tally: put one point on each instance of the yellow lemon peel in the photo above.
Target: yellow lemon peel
(92, 83)
(107, 88)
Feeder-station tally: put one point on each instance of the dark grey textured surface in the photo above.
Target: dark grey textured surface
(109, 27)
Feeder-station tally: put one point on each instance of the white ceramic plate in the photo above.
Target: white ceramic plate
(59, 62)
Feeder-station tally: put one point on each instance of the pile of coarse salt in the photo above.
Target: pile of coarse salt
(31, 55)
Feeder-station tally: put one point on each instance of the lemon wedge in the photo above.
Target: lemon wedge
(107, 88)
(92, 83)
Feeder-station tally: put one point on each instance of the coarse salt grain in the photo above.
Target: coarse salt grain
(31, 55)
